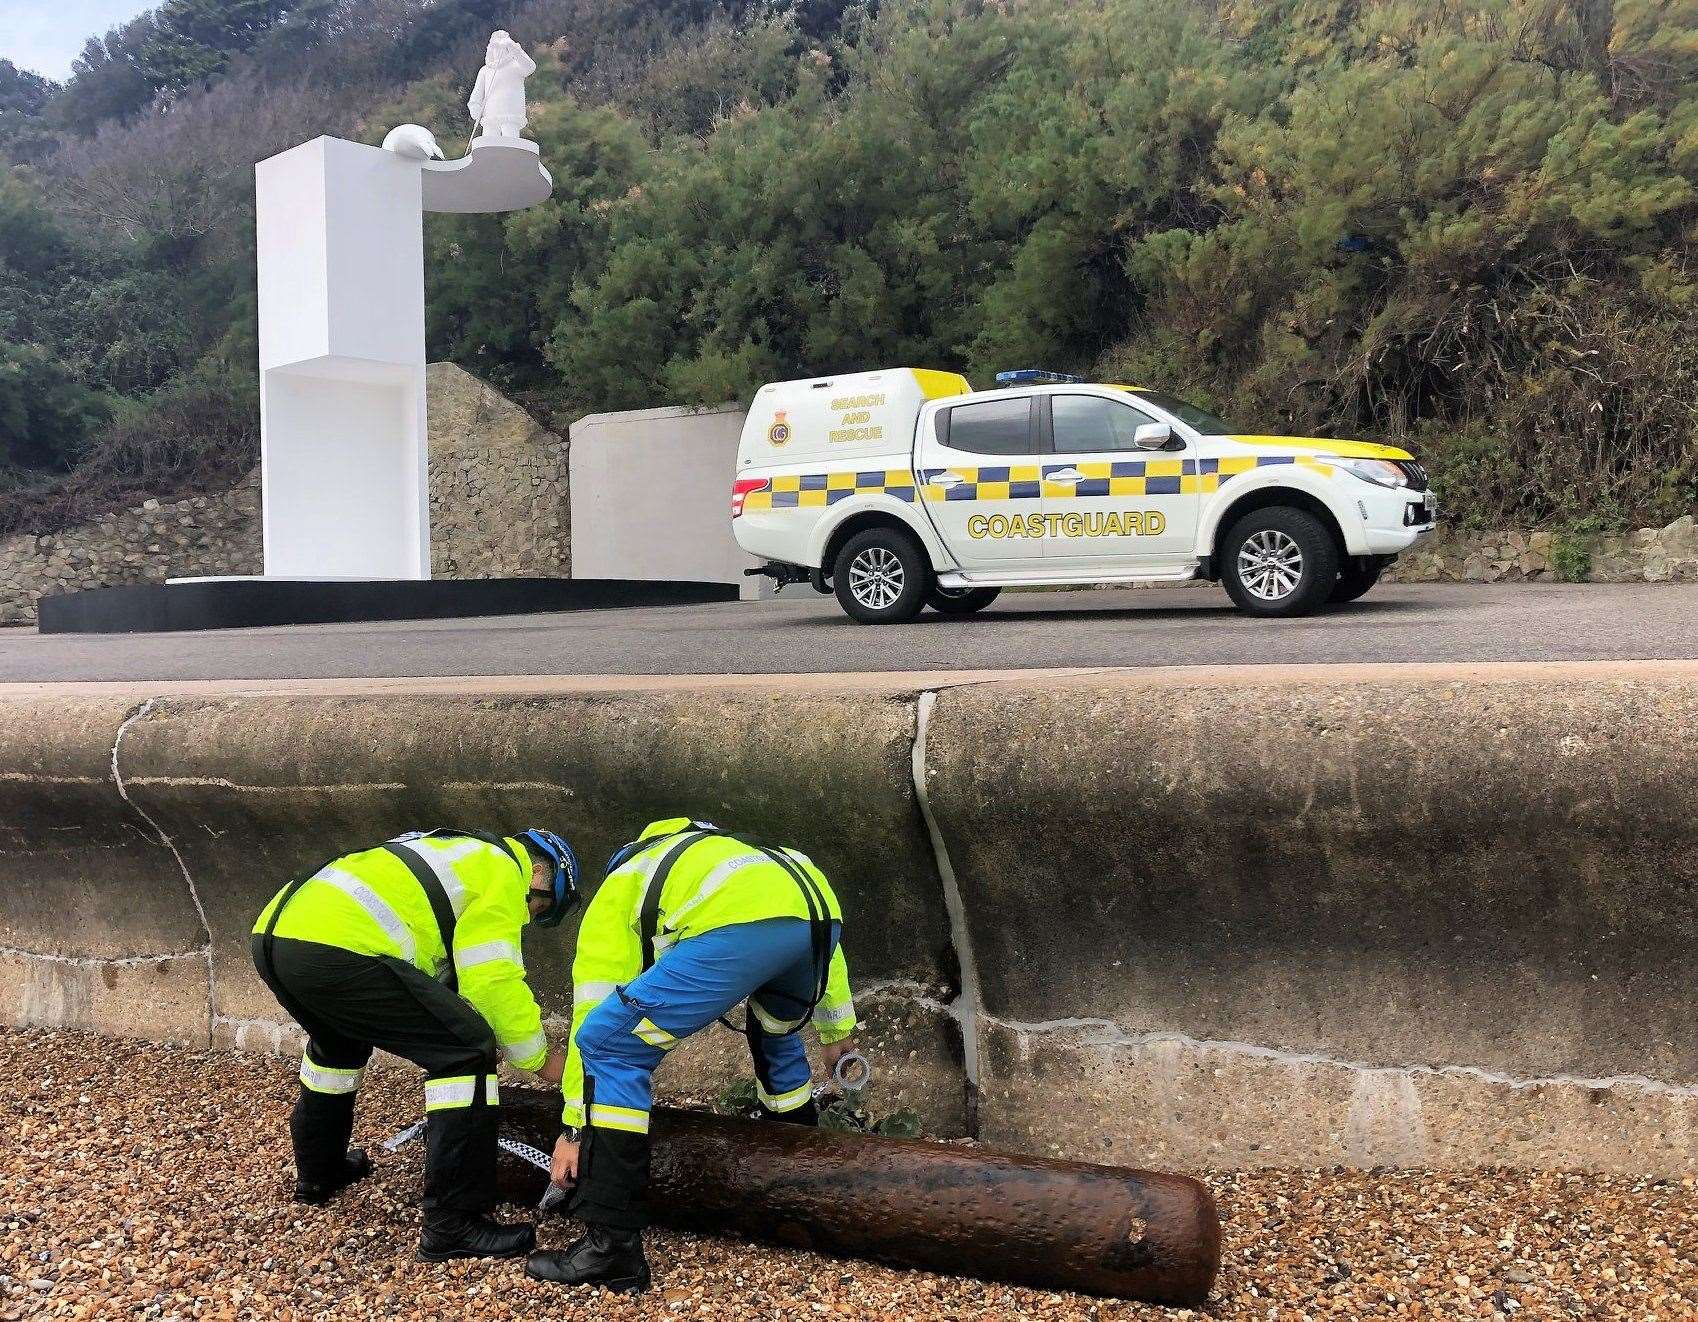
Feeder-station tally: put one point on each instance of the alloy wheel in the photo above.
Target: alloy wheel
(1270, 565)
(875, 578)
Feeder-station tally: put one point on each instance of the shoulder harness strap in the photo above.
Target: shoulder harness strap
(819, 913)
(441, 908)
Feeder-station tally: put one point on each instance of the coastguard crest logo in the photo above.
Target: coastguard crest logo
(779, 432)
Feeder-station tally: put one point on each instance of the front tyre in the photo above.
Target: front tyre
(881, 577)
(961, 601)
(1354, 580)
(1279, 561)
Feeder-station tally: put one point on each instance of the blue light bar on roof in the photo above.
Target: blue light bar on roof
(1036, 376)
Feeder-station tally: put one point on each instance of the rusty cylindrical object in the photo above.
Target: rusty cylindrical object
(1058, 1225)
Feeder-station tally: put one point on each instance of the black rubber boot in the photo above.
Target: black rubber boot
(356, 1166)
(612, 1259)
(448, 1234)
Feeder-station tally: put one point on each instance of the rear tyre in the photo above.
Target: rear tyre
(881, 577)
(961, 601)
(1279, 561)
(1354, 580)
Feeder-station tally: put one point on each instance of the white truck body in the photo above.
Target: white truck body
(1045, 483)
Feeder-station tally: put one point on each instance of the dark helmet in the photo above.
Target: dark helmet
(563, 895)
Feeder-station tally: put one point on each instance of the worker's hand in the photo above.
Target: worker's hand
(829, 1056)
(564, 1168)
(552, 1068)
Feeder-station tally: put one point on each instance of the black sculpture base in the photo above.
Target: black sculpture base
(248, 603)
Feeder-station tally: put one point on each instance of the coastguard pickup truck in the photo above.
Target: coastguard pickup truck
(905, 488)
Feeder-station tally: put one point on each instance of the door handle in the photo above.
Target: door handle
(947, 479)
(1064, 475)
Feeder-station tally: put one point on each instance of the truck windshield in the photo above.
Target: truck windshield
(1189, 414)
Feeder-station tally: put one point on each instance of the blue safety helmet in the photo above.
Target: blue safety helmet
(563, 897)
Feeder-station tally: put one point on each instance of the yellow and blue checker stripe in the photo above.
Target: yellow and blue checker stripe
(1120, 477)
(808, 490)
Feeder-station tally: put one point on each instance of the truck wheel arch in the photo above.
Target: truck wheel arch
(876, 517)
(1262, 498)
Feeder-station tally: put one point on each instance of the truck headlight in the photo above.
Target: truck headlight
(1381, 472)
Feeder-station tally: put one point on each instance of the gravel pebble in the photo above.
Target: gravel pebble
(152, 1182)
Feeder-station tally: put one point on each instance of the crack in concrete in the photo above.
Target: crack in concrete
(968, 1004)
(95, 962)
(182, 864)
(219, 782)
(1110, 1034)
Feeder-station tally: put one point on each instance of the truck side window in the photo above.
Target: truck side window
(1085, 424)
(996, 426)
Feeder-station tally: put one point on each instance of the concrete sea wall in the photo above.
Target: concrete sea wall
(1204, 917)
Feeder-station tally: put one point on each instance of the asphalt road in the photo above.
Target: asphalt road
(804, 633)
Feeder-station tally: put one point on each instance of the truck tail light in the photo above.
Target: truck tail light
(741, 489)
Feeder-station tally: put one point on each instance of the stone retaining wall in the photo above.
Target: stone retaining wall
(498, 484)
(216, 534)
(1648, 555)
(1419, 915)
(498, 509)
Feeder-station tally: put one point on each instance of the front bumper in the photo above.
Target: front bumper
(1394, 519)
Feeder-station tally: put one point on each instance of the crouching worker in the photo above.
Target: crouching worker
(413, 946)
(690, 922)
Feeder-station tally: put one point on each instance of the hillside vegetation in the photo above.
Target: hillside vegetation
(1467, 225)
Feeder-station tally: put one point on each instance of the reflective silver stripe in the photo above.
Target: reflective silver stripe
(619, 1117)
(525, 1049)
(374, 905)
(324, 1078)
(460, 1090)
(589, 993)
(655, 1035)
(440, 856)
(843, 1014)
(711, 883)
(652, 863)
(771, 1023)
(784, 1101)
(487, 952)
(441, 1093)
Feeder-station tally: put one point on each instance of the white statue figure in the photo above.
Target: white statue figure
(414, 141)
(498, 99)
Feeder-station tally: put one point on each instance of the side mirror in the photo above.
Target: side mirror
(1152, 436)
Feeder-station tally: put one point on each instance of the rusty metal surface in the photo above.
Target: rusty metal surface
(1029, 1221)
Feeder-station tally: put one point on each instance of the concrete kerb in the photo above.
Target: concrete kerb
(1328, 949)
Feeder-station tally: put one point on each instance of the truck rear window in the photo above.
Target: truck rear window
(996, 426)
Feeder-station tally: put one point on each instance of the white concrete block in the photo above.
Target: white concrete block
(651, 497)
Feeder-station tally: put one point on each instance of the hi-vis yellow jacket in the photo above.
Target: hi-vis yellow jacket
(371, 904)
(715, 882)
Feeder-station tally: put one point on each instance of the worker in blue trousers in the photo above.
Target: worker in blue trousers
(690, 922)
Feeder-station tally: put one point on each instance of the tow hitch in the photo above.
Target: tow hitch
(784, 575)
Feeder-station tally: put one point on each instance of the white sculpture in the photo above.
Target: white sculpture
(340, 242)
(414, 141)
(498, 100)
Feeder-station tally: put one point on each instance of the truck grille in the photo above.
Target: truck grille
(1416, 474)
